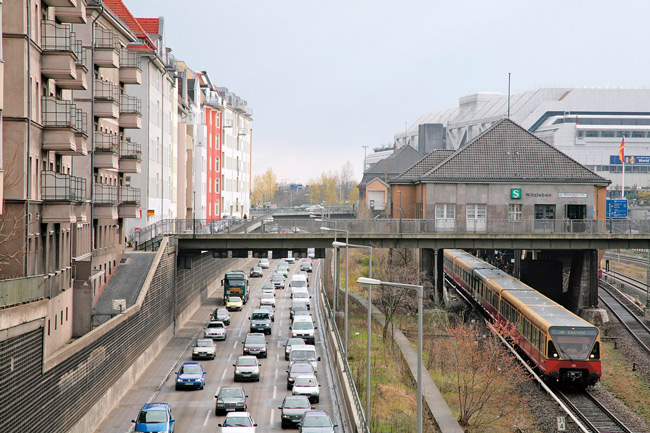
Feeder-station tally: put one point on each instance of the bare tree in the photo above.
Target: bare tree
(345, 180)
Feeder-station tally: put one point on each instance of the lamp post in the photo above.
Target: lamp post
(368, 337)
(420, 292)
(347, 234)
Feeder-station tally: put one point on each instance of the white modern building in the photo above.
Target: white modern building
(586, 124)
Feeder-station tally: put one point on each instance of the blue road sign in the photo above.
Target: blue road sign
(617, 208)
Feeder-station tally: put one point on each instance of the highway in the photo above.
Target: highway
(194, 410)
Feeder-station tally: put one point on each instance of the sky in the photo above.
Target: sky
(325, 78)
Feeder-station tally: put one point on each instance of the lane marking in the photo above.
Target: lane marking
(223, 376)
(207, 417)
(275, 390)
(272, 413)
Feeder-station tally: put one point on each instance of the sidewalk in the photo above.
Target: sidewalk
(430, 394)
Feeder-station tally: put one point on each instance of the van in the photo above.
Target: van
(298, 281)
(303, 327)
(304, 352)
(303, 296)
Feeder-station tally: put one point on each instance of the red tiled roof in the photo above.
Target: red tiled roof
(120, 9)
(150, 25)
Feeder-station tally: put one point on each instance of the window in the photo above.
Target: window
(608, 134)
(638, 134)
(216, 207)
(475, 211)
(514, 212)
(216, 165)
(216, 185)
(445, 211)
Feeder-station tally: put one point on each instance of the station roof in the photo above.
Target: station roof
(388, 168)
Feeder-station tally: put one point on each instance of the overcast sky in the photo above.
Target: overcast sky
(325, 78)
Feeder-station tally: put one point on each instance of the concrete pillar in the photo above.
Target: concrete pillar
(439, 276)
(427, 263)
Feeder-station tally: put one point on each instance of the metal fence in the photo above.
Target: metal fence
(62, 187)
(130, 150)
(57, 37)
(105, 194)
(129, 195)
(105, 142)
(106, 90)
(129, 59)
(130, 104)
(106, 39)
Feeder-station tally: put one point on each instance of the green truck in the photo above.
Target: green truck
(235, 283)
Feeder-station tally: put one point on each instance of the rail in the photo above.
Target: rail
(62, 187)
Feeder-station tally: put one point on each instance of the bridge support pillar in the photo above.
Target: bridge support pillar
(431, 266)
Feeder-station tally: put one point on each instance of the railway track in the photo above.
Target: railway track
(595, 417)
(626, 258)
(627, 314)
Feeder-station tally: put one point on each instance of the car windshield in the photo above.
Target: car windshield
(299, 306)
(204, 343)
(222, 313)
(267, 296)
(277, 277)
(316, 421)
(234, 299)
(152, 416)
(301, 295)
(215, 325)
(255, 339)
(299, 283)
(305, 381)
(231, 393)
(268, 286)
(296, 403)
(191, 369)
(295, 341)
(302, 354)
(303, 325)
(257, 269)
(237, 421)
(302, 368)
(246, 361)
(260, 316)
(302, 312)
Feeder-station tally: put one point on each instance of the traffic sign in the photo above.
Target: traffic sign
(616, 208)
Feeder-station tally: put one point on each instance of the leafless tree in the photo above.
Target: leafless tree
(345, 180)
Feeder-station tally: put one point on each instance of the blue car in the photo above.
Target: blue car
(190, 375)
(155, 417)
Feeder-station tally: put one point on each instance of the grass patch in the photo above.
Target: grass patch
(625, 384)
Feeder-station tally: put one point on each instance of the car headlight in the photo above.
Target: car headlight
(286, 416)
(178, 379)
(237, 372)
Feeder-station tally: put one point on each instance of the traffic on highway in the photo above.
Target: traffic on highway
(255, 369)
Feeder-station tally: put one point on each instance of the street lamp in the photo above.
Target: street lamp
(420, 290)
(368, 338)
(347, 234)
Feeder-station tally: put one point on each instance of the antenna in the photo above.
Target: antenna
(508, 95)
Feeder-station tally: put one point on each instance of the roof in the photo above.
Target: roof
(120, 9)
(508, 152)
(425, 165)
(150, 25)
(393, 166)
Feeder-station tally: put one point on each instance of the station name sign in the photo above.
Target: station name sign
(517, 193)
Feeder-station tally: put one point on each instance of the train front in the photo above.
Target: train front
(573, 355)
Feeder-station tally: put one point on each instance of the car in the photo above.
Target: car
(291, 260)
(316, 421)
(315, 208)
(304, 328)
(305, 274)
(260, 322)
(268, 287)
(204, 348)
(238, 422)
(230, 399)
(263, 263)
(234, 303)
(302, 295)
(215, 330)
(297, 305)
(298, 369)
(307, 386)
(306, 266)
(307, 260)
(270, 310)
(247, 368)
(304, 353)
(293, 407)
(155, 417)
(267, 299)
(290, 342)
(190, 375)
(284, 272)
(255, 344)
(302, 313)
(270, 291)
(256, 272)
(221, 315)
(278, 281)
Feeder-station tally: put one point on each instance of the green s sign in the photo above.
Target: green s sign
(515, 193)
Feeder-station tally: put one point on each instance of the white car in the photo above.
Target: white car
(307, 386)
(263, 263)
(215, 330)
(290, 260)
(238, 422)
(267, 299)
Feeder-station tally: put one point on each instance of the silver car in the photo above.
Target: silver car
(267, 299)
(215, 330)
(247, 368)
(204, 348)
(307, 386)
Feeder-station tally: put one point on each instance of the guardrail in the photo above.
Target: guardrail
(17, 291)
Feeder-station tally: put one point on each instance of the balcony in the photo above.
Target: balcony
(61, 127)
(130, 112)
(130, 72)
(81, 80)
(81, 131)
(105, 200)
(106, 151)
(59, 192)
(107, 49)
(73, 12)
(129, 202)
(61, 3)
(130, 157)
(58, 59)
(170, 62)
(107, 99)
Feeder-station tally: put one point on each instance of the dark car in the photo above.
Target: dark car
(260, 322)
(289, 343)
(316, 421)
(297, 306)
(255, 344)
(229, 399)
(190, 375)
(256, 271)
(293, 407)
(155, 417)
(221, 315)
(298, 369)
(247, 368)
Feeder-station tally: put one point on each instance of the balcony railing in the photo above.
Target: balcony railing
(106, 90)
(129, 195)
(105, 194)
(170, 62)
(213, 99)
(62, 187)
(129, 59)
(80, 121)
(58, 113)
(79, 51)
(106, 39)
(130, 104)
(129, 150)
(57, 37)
(105, 142)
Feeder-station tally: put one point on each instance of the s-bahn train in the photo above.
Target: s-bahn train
(564, 347)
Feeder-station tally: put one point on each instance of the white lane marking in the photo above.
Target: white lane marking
(230, 357)
(223, 376)
(275, 376)
(234, 346)
(275, 389)
(207, 416)
(272, 413)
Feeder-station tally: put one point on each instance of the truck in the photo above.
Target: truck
(235, 283)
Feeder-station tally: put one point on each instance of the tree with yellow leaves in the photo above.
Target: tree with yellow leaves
(265, 186)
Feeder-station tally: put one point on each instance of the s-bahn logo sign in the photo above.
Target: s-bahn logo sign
(515, 193)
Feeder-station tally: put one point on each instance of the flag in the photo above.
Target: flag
(621, 151)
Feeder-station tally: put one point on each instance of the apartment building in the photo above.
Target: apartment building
(66, 204)
(212, 108)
